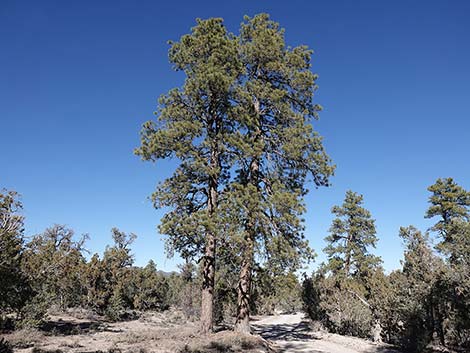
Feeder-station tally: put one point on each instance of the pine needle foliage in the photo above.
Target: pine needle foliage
(352, 234)
(240, 129)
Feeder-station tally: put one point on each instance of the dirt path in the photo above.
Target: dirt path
(291, 334)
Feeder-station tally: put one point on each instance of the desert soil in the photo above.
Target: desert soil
(292, 334)
(170, 333)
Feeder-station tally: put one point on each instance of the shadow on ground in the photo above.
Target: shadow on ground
(298, 338)
(285, 332)
(297, 347)
(64, 327)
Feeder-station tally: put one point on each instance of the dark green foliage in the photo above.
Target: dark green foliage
(426, 302)
(54, 263)
(150, 288)
(275, 292)
(414, 306)
(349, 288)
(107, 280)
(192, 124)
(14, 287)
(182, 289)
(346, 310)
(227, 271)
(414, 301)
(246, 106)
(34, 313)
(449, 202)
(453, 287)
(311, 297)
(352, 234)
(95, 279)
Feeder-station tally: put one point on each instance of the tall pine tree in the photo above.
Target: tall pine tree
(193, 123)
(275, 150)
(451, 204)
(246, 107)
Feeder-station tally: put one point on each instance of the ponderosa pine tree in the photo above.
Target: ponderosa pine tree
(193, 125)
(246, 105)
(352, 233)
(450, 202)
(275, 148)
(352, 274)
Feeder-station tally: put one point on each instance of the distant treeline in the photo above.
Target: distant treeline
(426, 302)
(51, 272)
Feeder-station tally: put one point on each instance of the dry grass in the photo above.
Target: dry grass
(229, 342)
(25, 338)
(169, 332)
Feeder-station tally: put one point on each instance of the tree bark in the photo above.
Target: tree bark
(242, 323)
(347, 261)
(208, 265)
(208, 276)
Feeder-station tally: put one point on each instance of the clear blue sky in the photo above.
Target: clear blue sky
(78, 78)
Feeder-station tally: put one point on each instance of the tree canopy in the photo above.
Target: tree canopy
(240, 128)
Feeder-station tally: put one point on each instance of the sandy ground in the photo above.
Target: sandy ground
(291, 334)
(170, 333)
(167, 332)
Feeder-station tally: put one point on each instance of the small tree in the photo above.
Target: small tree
(14, 287)
(151, 288)
(109, 282)
(118, 259)
(413, 308)
(449, 202)
(352, 282)
(456, 283)
(352, 233)
(54, 262)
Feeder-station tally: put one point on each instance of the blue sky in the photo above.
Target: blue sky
(78, 78)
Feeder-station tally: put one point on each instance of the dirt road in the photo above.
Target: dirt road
(291, 334)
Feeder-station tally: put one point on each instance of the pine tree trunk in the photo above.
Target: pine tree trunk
(244, 285)
(208, 266)
(208, 275)
(242, 323)
(347, 261)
